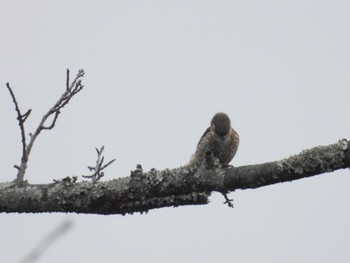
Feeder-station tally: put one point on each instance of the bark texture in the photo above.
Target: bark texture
(141, 191)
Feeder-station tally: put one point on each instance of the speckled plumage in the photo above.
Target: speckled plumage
(220, 139)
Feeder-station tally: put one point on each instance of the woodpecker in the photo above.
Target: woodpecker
(220, 140)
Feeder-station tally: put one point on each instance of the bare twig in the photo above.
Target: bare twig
(71, 90)
(228, 201)
(110, 162)
(99, 167)
(67, 79)
(21, 119)
(44, 244)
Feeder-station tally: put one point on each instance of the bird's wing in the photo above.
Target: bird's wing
(204, 135)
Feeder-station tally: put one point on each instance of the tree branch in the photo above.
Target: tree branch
(141, 191)
(21, 119)
(71, 90)
(99, 167)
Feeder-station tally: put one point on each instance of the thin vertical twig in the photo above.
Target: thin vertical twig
(21, 119)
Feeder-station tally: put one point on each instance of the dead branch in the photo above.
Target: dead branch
(99, 167)
(21, 119)
(71, 90)
(142, 191)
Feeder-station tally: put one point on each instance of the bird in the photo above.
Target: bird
(219, 140)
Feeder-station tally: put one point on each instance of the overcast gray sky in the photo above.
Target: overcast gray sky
(156, 72)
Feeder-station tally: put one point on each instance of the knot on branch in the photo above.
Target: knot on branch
(67, 181)
(137, 174)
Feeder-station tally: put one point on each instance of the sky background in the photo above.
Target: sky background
(156, 73)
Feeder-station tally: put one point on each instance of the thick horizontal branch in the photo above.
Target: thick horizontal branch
(141, 192)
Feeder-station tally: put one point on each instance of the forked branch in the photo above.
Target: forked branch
(99, 167)
(71, 90)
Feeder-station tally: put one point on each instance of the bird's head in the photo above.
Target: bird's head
(220, 124)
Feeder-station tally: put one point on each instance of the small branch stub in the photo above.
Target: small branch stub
(228, 201)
